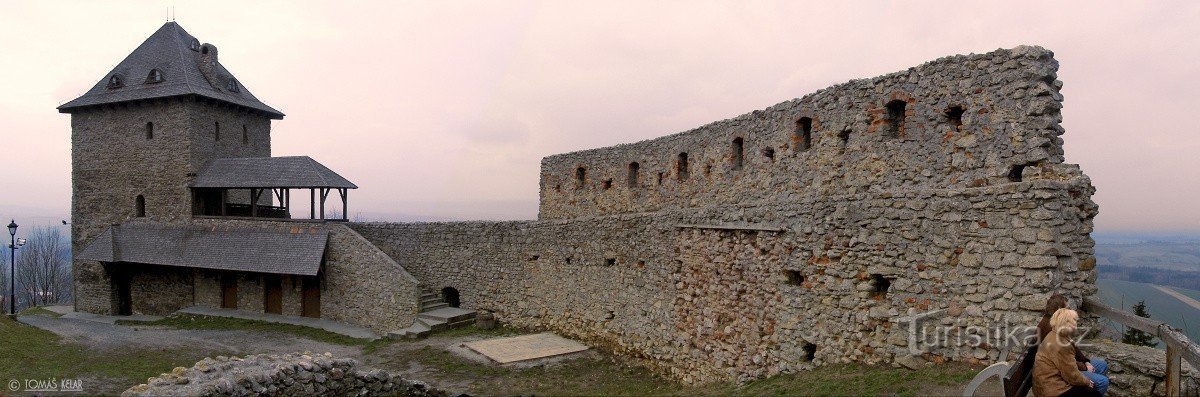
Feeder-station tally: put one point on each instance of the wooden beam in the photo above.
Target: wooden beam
(312, 203)
(254, 202)
(1179, 347)
(1127, 319)
(345, 215)
(1186, 349)
(324, 194)
(224, 200)
(1173, 371)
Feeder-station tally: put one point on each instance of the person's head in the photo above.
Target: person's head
(1063, 322)
(1056, 301)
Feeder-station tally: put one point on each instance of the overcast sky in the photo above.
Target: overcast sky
(444, 109)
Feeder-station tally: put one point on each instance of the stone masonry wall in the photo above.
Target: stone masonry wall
(801, 257)
(1009, 105)
(114, 160)
(159, 290)
(364, 286)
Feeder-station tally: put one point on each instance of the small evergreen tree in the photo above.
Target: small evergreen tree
(1137, 337)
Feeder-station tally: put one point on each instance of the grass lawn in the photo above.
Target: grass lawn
(33, 353)
(602, 375)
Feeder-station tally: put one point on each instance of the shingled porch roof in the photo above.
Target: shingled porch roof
(300, 172)
(297, 250)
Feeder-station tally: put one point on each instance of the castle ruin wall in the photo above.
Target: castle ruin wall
(794, 257)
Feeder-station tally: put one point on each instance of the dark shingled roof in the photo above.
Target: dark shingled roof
(296, 251)
(269, 172)
(169, 51)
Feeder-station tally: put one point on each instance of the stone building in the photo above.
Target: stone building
(793, 236)
(176, 201)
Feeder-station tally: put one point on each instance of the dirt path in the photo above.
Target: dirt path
(1182, 298)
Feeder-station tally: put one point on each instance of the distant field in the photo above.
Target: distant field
(1169, 263)
(1162, 306)
(1192, 293)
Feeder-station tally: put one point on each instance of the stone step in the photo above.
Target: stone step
(463, 323)
(428, 295)
(448, 314)
(428, 301)
(435, 320)
(434, 325)
(433, 306)
(416, 330)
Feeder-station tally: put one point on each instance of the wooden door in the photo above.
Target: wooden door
(124, 294)
(272, 294)
(229, 291)
(310, 305)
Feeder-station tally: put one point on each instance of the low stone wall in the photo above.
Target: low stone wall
(293, 374)
(1139, 370)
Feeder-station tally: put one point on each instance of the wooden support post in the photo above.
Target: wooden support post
(1173, 371)
(287, 202)
(224, 200)
(345, 215)
(254, 203)
(324, 194)
(312, 203)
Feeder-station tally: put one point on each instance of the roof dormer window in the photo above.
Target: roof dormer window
(115, 81)
(155, 76)
(232, 85)
(195, 45)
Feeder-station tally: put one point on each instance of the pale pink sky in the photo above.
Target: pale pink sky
(444, 109)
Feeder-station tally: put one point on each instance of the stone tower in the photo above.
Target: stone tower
(142, 133)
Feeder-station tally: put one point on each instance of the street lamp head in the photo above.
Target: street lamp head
(12, 228)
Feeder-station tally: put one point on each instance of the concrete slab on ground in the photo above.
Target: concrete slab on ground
(525, 347)
(328, 325)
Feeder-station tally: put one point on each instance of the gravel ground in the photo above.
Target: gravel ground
(103, 336)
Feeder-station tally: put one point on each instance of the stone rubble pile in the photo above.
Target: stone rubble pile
(291, 374)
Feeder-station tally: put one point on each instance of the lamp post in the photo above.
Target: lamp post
(12, 267)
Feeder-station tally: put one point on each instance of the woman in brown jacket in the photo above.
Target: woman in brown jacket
(1054, 370)
(1095, 369)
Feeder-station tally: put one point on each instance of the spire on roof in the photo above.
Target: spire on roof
(170, 63)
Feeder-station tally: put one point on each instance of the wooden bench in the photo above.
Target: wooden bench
(1016, 378)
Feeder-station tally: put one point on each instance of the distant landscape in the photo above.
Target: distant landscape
(1144, 267)
(1163, 259)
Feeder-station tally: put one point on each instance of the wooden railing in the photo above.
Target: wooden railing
(1178, 345)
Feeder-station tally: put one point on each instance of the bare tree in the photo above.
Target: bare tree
(4, 280)
(43, 269)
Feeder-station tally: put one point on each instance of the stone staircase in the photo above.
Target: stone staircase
(435, 315)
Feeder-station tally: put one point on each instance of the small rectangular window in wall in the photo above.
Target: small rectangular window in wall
(681, 167)
(580, 177)
(804, 133)
(632, 179)
(738, 155)
(895, 114)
